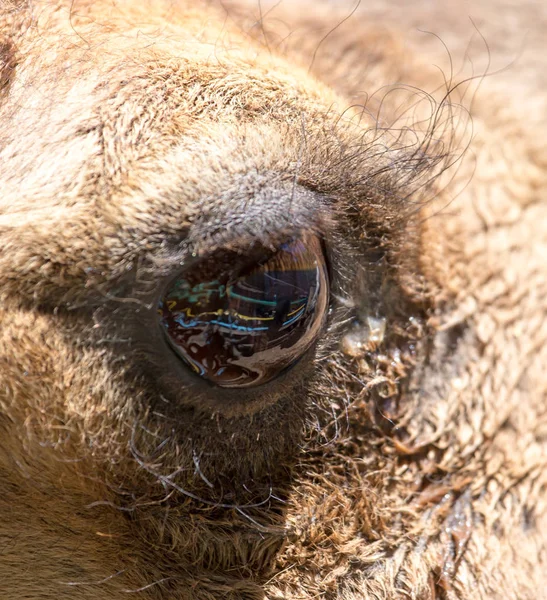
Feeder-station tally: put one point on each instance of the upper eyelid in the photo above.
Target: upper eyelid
(237, 227)
(143, 284)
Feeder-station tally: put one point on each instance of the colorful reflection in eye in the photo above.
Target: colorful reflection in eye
(244, 331)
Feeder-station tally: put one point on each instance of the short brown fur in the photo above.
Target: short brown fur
(134, 136)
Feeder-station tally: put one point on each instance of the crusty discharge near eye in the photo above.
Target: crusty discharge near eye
(143, 146)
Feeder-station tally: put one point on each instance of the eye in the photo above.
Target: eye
(243, 329)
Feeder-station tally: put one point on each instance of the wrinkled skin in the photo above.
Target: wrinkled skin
(399, 463)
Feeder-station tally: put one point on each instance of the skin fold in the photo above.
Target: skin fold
(405, 455)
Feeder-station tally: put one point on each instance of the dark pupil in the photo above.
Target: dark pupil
(245, 331)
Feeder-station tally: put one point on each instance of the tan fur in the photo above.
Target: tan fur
(135, 135)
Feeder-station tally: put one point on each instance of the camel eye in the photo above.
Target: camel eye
(244, 328)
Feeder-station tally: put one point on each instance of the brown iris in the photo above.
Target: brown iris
(243, 329)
